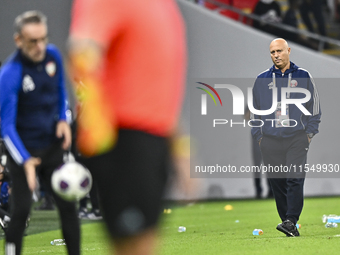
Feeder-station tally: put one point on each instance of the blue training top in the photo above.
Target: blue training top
(262, 100)
(32, 100)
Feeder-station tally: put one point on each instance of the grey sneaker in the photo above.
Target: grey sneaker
(3, 225)
(82, 213)
(288, 228)
(93, 216)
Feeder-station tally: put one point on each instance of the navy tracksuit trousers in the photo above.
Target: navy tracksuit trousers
(285, 159)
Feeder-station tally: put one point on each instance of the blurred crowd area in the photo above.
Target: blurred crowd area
(320, 17)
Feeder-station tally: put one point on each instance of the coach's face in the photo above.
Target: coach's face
(279, 52)
(32, 40)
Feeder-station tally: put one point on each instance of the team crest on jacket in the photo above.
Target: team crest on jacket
(293, 83)
(28, 84)
(270, 85)
(51, 68)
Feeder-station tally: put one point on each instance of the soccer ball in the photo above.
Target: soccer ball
(71, 181)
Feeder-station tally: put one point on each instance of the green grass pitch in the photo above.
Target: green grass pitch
(209, 230)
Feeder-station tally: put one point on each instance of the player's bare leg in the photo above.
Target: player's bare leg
(141, 244)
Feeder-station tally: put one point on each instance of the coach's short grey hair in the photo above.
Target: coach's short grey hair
(27, 18)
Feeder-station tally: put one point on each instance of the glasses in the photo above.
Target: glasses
(33, 42)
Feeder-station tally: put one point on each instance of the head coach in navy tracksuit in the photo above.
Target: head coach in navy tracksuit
(33, 125)
(284, 137)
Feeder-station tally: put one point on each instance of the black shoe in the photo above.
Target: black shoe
(288, 228)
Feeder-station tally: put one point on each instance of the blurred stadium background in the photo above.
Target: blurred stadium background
(219, 47)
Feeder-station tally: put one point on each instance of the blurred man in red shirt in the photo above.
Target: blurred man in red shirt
(129, 59)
